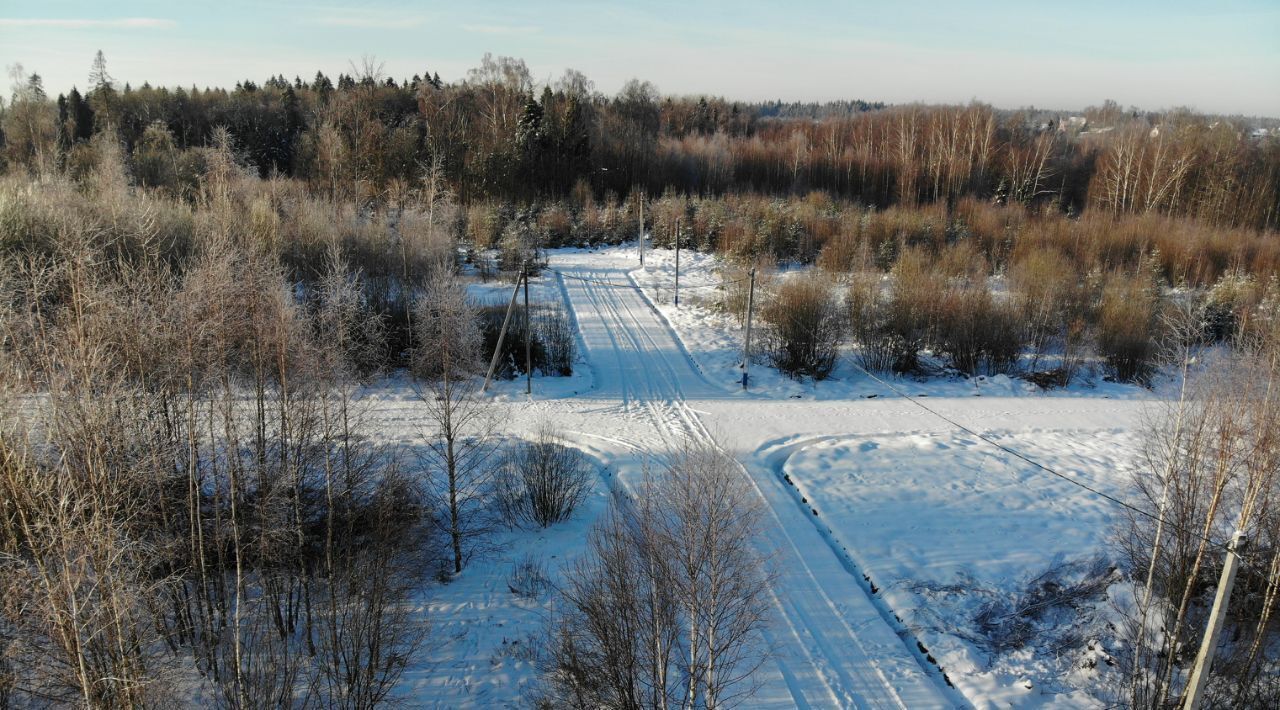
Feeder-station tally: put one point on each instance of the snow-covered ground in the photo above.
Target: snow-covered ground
(889, 527)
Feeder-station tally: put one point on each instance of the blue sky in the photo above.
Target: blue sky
(1213, 56)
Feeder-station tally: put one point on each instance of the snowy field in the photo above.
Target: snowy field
(890, 528)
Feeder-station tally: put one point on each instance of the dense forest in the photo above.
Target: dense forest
(496, 135)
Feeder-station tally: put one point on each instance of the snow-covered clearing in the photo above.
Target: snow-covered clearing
(889, 527)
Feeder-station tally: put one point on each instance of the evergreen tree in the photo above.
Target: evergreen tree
(574, 150)
(64, 124)
(529, 127)
(35, 88)
(703, 121)
(530, 142)
(294, 123)
(321, 85)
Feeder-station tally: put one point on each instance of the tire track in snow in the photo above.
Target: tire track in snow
(820, 656)
(836, 695)
(695, 430)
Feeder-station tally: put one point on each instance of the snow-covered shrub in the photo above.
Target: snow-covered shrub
(1262, 329)
(848, 248)
(1047, 292)
(1048, 605)
(805, 328)
(556, 225)
(735, 286)
(520, 246)
(484, 222)
(542, 481)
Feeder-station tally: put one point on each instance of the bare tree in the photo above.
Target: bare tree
(1211, 465)
(460, 446)
(712, 524)
(667, 607)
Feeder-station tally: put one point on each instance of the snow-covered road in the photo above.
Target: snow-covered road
(833, 645)
(871, 504)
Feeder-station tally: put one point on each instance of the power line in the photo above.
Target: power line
(1245, 558)
(1027, 459)
(636, 287)
(1019, 455)
(980, 436)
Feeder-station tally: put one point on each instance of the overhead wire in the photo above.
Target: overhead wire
(1023, 457)
(636, 287)
(950, 420)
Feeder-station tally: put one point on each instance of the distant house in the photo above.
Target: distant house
(1072, 123)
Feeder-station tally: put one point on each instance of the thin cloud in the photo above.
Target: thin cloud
(501, 29)
(369, 23)
(133, 23)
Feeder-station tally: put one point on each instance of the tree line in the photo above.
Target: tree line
(496, 134)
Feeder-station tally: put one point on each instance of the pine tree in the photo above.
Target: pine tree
(321, 84)
(35, 88)
(64, 124)
(529, 127)
(574, 150)
(702, 122)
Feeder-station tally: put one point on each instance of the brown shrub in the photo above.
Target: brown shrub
(1047, 293)
(805, 327)
(878, 349)
(1127, 328)
(912, 307)
(973, 330)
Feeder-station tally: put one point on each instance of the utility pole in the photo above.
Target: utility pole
(746, 347)
(528, 336)
(1204, 659)
(497, 350)
(677, 262)
(641, 229)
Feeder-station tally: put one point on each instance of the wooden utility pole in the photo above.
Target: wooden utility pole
(746, 346)
(677, 262)
(1204, 659)
(528, 337)
(641, 238)
(497, 350)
